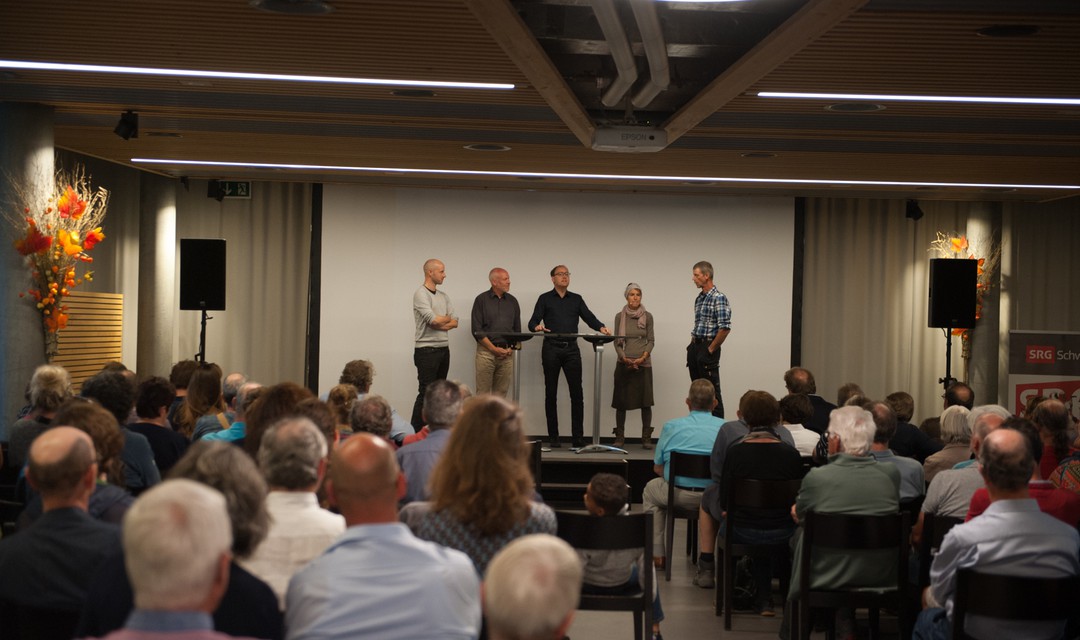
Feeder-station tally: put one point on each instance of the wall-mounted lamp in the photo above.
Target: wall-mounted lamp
(913, 211)
(128, 127)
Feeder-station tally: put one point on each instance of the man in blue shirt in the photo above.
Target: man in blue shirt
(695, 434)
(712, 324)
(557, 311)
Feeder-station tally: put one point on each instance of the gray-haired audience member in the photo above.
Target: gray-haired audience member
(50, 387)
(49, 565)
(372, 414)
(911, 472)
(442, 406)
(956, 434)
(360, 373)
(176, 548)
(1012, 537)
(531, 589)
(378, 580)
(293, 457)
(230, 389)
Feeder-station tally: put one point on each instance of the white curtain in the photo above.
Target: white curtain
(262, 332)
(1045, 258)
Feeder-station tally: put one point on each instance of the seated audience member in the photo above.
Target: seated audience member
(482, 488)
(615, 571)
(179, 378)
(846, 392)
(796, 412)
(1063, 505)
(50, 564)
(695, 434)
(359, 373)
(798, 380)
(852, 483)
(50, 387)
(357, 587)
(1067, 474)
(109, 500)
(957, 394)
(114, 391)
(152, 399)
(293, 458)
(230, 389)
(340, 400)
(950, 492)
(248, 393)
(911, 474)
(249, 607)
(176, 549)
(372, 414)
(279, 401)
(956, 434)
(908, 441)
(759, 455)
(531, 589)
(442, 406)
(1012, 537)
(203, 410)
(1053, 420)
(730, 433)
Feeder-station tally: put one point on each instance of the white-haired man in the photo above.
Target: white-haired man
(293, 457)
(494, 311)
(531, 589)
(177, 541)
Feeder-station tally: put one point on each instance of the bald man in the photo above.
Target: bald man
(435, 317)
(355, 589)
(493, 311)
(49, 564)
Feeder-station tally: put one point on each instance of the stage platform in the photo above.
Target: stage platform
(565, 474)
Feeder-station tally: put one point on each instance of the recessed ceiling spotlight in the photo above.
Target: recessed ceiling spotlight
(855, 107)
(294, 7)
(758, 154)
(483, 146)
(1008, 31)
(413, 93)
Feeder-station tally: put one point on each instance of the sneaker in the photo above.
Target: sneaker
(705, 578)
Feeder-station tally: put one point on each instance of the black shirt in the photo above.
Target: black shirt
(168, 445)
(491, 313)
(560, 314)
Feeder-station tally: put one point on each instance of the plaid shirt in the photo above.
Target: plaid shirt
(712, 312)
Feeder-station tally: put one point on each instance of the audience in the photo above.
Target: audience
(846, 392)
(176, 549)
(798, 380)
(48, 567)
(695, 434)
(956, 434)
(377, 580)
(203, 410)
(152, 400)
(248, 393)
(1012, 537)
(279, 401)
(371, 413)
(957, 394)
(1053, 420)
(50, 387)
(796, 411)
(482, 488)
(340, 400)
(531, 589)
(115, 391)
(909, 441)
(442, 405)
(359, 373)
(912, 485)
(293, 457)
(179, 377)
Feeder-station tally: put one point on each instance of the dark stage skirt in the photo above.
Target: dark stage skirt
(633, 389)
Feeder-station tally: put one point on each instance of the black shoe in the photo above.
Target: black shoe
(555, 444)
(578, 443)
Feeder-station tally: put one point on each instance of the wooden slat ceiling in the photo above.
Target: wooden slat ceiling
(548, 50)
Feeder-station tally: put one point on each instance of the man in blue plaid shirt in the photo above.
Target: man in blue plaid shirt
(712, 324)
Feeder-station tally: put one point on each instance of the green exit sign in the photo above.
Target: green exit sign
(236, 189)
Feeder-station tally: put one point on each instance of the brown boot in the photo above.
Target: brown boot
(620, 440)
(646, 438)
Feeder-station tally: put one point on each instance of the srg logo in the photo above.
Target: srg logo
(1036, 354)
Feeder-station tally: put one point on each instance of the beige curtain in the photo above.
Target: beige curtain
(262, 333)
(1045, 258)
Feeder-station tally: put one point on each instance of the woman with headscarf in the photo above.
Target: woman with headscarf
(633, 366)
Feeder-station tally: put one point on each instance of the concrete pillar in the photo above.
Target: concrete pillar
(157, 277)
(26, 158)
(984, 232)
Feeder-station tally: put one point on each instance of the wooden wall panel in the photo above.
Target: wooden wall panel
(94, 334)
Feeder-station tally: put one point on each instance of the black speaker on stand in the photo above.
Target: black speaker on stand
(953, 288)
(202, 281)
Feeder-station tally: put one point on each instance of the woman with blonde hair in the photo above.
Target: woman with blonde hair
(481, 488)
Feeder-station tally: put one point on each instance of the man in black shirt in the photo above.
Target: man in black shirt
(557, 311)
(495, 310)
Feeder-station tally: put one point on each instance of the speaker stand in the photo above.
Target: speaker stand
(948, 379)
(200, 357)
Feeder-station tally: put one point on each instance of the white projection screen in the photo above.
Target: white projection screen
(375, 240)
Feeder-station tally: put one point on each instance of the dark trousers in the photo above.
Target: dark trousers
(432, 363)
(565, 356)
(706, 365)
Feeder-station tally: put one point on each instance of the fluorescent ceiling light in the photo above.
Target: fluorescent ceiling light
(236, 75)
(594, 176)
(912, 98)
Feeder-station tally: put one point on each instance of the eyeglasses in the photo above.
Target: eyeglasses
(562, 273)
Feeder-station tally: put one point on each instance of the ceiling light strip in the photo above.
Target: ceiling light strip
(915, 98)
(595, 176)
(237, 75)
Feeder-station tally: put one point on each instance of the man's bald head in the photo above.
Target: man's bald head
(364, 472)
(1006, 460)
(59, 461)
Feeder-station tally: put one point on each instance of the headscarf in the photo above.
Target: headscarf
(636, 314)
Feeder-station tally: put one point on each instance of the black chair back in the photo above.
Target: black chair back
(534, 462)
(933, 533)
(1012, 598)
(19, 621)
(631, 531)
(683, 465)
